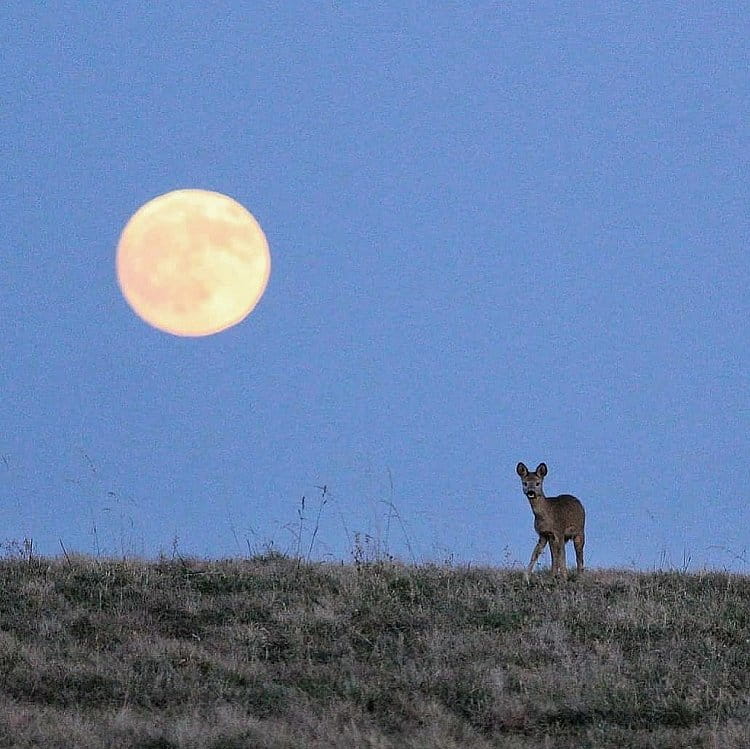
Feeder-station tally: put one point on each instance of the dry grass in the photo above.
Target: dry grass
(271, 652)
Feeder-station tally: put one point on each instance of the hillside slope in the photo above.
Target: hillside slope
(268, 652)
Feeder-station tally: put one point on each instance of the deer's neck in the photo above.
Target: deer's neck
(539, 504)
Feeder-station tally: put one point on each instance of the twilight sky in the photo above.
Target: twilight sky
(500, 231)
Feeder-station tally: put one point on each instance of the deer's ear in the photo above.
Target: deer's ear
(521, 470)
(541, 469)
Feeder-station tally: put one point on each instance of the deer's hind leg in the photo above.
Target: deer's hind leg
(578, 541)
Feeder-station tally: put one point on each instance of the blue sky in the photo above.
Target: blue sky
(499, 232)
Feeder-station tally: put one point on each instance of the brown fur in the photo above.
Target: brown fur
(556, 520)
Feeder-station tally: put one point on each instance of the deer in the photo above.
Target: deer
(556, 521)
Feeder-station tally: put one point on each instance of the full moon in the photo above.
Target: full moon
(192, 262)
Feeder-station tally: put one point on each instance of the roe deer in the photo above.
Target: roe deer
(556, 520)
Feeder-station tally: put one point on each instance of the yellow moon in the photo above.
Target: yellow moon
(192, 262)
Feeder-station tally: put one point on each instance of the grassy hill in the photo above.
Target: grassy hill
(269, 652)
